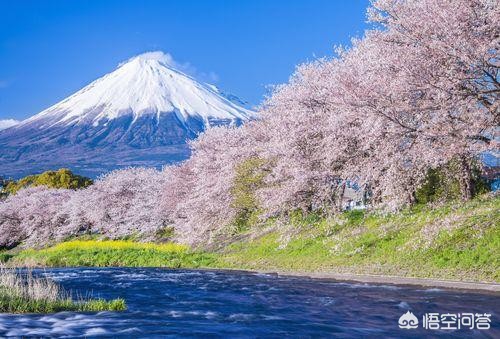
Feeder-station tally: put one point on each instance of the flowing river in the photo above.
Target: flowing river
(194, 303)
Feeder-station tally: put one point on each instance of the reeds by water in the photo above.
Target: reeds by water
(25, 293)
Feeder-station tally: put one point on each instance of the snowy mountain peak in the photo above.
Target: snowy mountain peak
(147, 84)
(157, 56)
(141, 114)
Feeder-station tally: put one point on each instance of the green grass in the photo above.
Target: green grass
(455, 241)
(24, 293)
(114, 253)
(4, 257)
(12, 303)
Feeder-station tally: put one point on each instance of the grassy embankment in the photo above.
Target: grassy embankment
(456, 241)
(29, 294)
(113, 253)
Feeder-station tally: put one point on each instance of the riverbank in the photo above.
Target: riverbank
(456, 241)
(395, 280)
(454, 246)
(111, 253)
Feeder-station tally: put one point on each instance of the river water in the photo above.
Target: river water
(193, 303)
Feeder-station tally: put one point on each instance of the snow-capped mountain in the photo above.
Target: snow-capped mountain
(6, 123)
(140, 114)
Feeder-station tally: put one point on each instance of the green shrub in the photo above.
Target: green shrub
(442, 184)
(165, 233)
(62, 178)
(4, 257)
(249, 177)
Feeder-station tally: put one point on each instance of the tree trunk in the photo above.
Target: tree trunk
(411, 197)
(341, 197)
(466, 179)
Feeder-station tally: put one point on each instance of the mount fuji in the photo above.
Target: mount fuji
(141, 114)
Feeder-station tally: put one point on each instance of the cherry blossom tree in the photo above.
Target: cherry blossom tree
(296, 126)
(121, 203)
(432, 99)
(198, 192)
(33, 217)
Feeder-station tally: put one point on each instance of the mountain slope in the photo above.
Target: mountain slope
(6, 123)
(141, 114)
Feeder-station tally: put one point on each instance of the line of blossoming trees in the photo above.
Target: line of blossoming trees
(417, 92)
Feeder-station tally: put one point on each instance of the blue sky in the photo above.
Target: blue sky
(50, 49)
